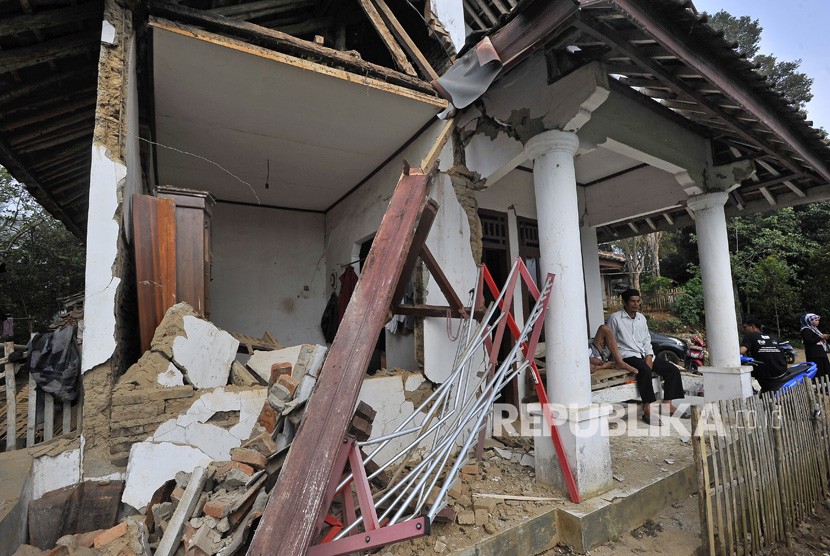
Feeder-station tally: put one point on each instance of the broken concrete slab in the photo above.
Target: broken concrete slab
(305, 359)
(196, 346)
(195, 429)
(151, 464)
(386, 396)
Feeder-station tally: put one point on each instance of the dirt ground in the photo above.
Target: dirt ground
(637, 458)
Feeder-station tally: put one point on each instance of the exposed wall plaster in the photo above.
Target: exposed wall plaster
(54, 472)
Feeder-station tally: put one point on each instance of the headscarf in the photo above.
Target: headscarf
(808, 321)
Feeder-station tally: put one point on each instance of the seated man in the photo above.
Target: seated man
(604, 353)
(634, 343)
(764, 349)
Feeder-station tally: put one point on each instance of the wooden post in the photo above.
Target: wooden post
(704, 500)
(31, 418)
(66, 415)
(296, 508)
(11, 400)
(48, 417)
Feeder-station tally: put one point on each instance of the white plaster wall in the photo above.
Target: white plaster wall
(103, 228)
(268, 272)
(101, 251)
(515, 189)
(51, 473)
(358, 217)
(449, 242)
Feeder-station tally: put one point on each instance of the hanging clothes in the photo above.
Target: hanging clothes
(403, 324)
(348, 281)
(331, 319)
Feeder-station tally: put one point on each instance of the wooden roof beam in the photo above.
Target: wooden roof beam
(386, 37)
(18, 25)
(54, 140)
(9, 159)
(86, 116)
(724, 81)
(685, 89)
(64, 47)
(261, 8)
(405, 40)
(45, 115)
(27, 91)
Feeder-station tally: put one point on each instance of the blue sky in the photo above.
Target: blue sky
(793, 29)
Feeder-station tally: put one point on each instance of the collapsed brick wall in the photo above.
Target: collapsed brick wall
(138, 410)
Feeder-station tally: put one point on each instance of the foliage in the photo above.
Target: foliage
(771, 286)
(651, 284)
(642, 254)
(688, 306)
(784, 76)
(43, 261)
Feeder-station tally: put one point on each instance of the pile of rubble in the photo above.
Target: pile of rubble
(188, 405)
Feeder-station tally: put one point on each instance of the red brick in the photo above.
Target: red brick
(262, 443)
(251, 457)
(289, 383)
(222, 506)
(222, 471)
(176, 495)
(268, 418)
(278, 370)
(110, 535)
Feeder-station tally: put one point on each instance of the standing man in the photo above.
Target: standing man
(634, 342)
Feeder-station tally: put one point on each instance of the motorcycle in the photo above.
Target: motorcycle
(695, 352)
(793, 376)
(789, 352)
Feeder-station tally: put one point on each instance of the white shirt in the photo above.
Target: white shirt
(631, 334)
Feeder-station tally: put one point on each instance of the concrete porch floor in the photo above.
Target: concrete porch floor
(654, 478)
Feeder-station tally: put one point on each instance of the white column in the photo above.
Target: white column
(554, 181)
(584, 433)
(593, 278)
(724, 378)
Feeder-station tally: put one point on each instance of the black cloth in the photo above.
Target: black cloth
(672, 382)
(814, 351)
(764, 349)
(54, 363)
(331, 319)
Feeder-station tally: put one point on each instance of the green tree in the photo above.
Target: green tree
(784, 76)
(40, 260)
(773, 288)
(688, 306)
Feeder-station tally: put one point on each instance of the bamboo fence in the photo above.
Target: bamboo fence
(762, 463)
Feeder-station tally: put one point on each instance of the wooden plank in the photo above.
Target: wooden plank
(717, 489)
(435, 311)
(386, 38)
(261, 7)
(66, 415)
(48, 417)
(154, 238)
(172, 535)
(407, 43)
(441, 279)
(11, 400)
(740, 478)
(431, 159)
(704, 500)
(783, 474)
(728, 481)
(424, 226)
(31, 418)
(280, 41)
(301, 495)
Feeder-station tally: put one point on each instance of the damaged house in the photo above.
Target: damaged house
(240, 157)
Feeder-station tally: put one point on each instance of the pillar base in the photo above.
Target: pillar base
(726, 383)
(585, 438)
